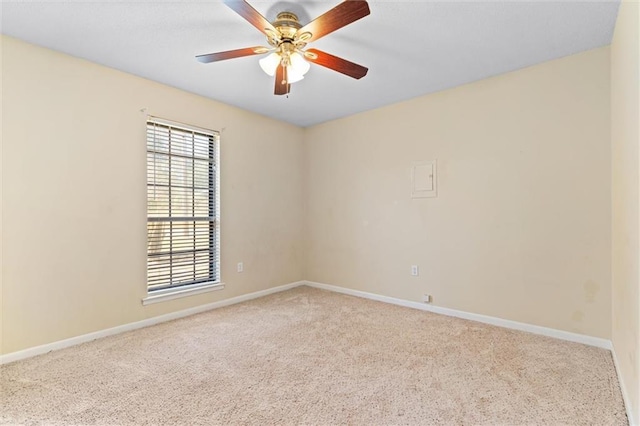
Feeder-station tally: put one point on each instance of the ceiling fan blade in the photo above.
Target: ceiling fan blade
(254, 17)
(343, 14)
(230, 54)
(282, 87)
(335, 63)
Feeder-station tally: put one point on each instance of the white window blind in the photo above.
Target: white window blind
(182, 206)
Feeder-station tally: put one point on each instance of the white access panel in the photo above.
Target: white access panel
(424, 179)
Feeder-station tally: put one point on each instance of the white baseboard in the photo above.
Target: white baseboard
(559, 334)
(61, 344)
(545, 331)
(625, 394)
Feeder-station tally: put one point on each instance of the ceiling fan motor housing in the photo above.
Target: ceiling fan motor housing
(287, 41)
(287, 24)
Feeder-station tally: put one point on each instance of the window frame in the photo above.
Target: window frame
(213, 282)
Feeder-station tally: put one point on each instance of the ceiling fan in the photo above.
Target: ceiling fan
(287, 38)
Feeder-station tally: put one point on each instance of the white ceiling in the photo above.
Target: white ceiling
(410, 47)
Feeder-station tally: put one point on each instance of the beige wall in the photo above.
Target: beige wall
(520, 229)
(521, 225)
(625, 136)
(1, 208)
(74, 242)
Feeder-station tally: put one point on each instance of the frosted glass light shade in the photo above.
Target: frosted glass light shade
(292, 75)
(299, 64)
(296, 69)
(270, 63)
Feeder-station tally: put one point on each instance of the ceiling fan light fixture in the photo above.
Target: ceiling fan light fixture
(297, 68)
(270, 63)
(299, 64)
(292, 75)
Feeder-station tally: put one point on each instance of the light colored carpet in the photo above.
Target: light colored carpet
(308, 356)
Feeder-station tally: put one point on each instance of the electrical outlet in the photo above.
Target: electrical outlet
(426, 298)
(414, 270)
(240, 267)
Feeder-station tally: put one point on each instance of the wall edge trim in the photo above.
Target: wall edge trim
(530, 328)
(84, 338)
(545, 331)
(625, 394)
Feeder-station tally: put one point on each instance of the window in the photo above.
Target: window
(182, 210)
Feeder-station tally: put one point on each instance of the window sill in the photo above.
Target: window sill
(170, 294)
